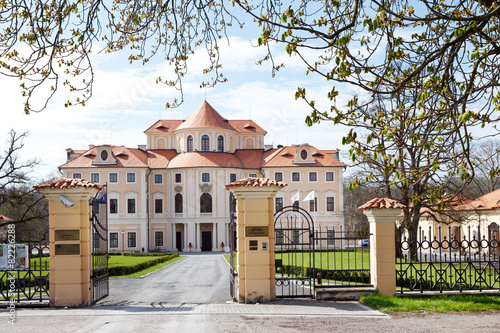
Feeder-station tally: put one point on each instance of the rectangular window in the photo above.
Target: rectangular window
(330, 204)
(295, 205)
(77, 175)
(329, 176)
(205, 177)
(113, 206)
(158, 238)
(113, 240)
(113, 177)
(94, 177)
(296, 176)
(279, 203)
(252, 175)
(278, 176)
(313, 205)
(158, 206)
(232, 177)
(313, 177)
(178, 177)
(131, 206)
(131, 237)
(330, 237)
(131, 177)
(158, 178)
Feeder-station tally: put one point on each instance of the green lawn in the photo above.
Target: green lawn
(128, 260)
(441, 303)
(335, 260)
(150, 269)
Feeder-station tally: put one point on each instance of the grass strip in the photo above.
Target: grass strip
(440, 303)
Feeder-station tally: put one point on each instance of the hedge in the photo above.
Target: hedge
(135, 254)
(130, 269)
(340, 275)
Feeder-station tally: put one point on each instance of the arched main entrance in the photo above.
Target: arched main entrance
(294, 248)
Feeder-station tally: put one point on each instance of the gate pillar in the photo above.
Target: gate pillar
(70, 236)
(255, 234)
(382, 214)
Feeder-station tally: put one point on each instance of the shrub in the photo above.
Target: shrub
(130, 269)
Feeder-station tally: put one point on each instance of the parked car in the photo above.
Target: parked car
(365, 243)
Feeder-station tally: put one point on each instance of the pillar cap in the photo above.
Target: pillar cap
(255, 182)
(382, 203)
(63, 183)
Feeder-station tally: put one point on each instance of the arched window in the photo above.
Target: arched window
(220, 143)
(190, 143)
(178, 203)
(205, 203)
(205, 143)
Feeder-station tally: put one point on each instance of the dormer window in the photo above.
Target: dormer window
(104, 155)
(303, 154)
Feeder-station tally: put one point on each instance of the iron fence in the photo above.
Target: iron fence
(342, 258)
(449, 258)
(25, 278)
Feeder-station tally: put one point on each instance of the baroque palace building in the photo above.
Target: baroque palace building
(169, 195)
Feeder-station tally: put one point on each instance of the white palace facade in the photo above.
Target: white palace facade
(169, 195)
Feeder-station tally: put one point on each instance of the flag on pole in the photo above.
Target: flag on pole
(310, 196)
(296, 197)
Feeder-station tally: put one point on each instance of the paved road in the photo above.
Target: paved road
(201, 278)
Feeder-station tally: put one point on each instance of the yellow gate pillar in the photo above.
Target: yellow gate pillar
(70, 235)
(382, 214)
(255, 234)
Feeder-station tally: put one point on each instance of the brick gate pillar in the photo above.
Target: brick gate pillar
(70, 235)
(382, 215)
(255, 234)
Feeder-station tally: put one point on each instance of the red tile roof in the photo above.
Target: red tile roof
(255, 182)
(281, 157)
(164, 126)
(205, 159)
(382, 203)
(4, 219)
(205, 117)
(67, 183)
(159, 159)
(251, 158)
(125, 157)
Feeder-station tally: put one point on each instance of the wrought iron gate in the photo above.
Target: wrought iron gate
(294, 248)
(233, 274)
(100, 274)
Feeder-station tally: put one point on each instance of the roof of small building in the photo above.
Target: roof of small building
(255, 182)
(67, 183)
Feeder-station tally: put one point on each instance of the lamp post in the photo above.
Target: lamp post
(123, 240)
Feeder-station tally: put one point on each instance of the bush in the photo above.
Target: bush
(130, 269)
(338, 275)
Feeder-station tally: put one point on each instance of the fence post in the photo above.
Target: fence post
(382, 214)
(70, 236)
(255, 234)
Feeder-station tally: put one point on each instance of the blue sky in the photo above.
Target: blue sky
(126, 101)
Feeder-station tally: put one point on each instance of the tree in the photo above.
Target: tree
(442, 56)
(18, 200)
